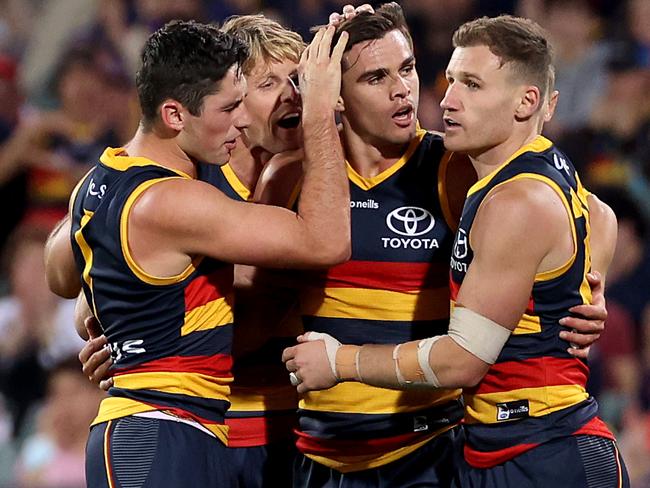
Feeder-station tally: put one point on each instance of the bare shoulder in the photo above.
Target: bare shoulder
(175, 202)
(525, 203)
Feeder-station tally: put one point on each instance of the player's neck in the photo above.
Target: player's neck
(367, 158)
(161, 149)
(487, 160)
(246, 165)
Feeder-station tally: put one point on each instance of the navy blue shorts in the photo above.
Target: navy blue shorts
(268, 466)
(582, 461)
(140, 452)
(434, 465)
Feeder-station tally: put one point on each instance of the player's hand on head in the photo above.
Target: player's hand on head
(587, 322)
(349, 12)
(320, 72)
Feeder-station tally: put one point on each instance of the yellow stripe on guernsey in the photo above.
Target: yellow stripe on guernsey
(372, 304)
(124, 238)
(368, 183)
(209, 316)
(263, 398)
(352, 397)
(107, 454)
(113, 408)
(235, 182)
(539, 144)
(87, 254)
(480, 408)
(347, 464)
(117, 159)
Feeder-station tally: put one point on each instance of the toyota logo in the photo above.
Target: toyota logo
(410, 221)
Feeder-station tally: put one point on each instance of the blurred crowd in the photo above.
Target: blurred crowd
(66, 92)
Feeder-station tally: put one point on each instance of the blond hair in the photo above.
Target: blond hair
(267, 40)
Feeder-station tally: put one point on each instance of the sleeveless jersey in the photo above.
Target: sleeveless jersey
(262, 401)
(394, 289)
(170, 337)
(535, 391)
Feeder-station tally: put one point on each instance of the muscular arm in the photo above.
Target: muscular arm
(60, 269)
(603, 235)
(188, 218)
(521, 229)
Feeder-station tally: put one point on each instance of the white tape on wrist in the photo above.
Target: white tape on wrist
(412, 366)
(331, 347)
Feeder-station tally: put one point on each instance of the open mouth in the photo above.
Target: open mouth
(450, 123)
(289, 121)
(404, 114)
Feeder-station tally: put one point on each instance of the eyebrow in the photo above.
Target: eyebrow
(383, 71)
(233, 104)
(464, 75)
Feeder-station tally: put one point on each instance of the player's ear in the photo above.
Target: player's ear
(340, 105)
(172, 114)
(528, 103)
(552, 104)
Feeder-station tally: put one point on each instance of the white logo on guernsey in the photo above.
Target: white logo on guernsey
(370, 204)
(460, 252)
(410, 222)
(119, 351)
(95, 191)
(560, 163)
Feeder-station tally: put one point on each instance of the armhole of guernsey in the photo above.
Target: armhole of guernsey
(124, 240)
(560, 270)
(236, 183)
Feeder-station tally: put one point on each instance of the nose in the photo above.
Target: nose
(400, 89)
(449, 101)
(291, 90)
(243, 118)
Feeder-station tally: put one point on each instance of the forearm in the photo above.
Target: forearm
(452, 366)
(60, 269)
(324, 200)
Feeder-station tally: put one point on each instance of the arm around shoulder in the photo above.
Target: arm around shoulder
(60, 268)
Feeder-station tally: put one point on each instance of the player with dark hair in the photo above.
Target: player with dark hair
(153, 245)
(528, 236)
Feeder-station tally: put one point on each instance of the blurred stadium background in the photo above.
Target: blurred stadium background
(66, 92)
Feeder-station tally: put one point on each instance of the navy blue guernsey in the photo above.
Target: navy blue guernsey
(170, 337)
(394, 289)
(535, 391)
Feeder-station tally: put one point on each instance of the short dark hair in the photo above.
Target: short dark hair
(515, 40)
(366, 26)
(184, 60)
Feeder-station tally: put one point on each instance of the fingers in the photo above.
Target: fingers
(578, 340)
(595, 279)
(580, 353)
(288, 354)
(291, 365)
(591, 312)
(325, 44)
(93, 327)
(335, 19)
(339, 49)
(97, 366)
(91, 347)
(106, 384)
(583, 326)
